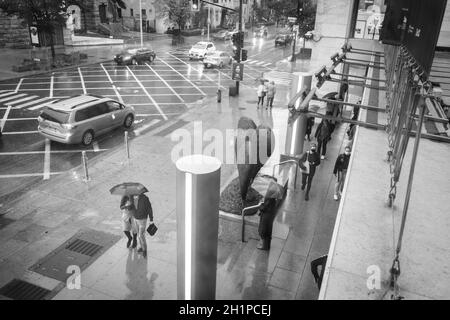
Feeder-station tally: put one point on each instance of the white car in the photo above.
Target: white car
(217, 59)
(201, 49)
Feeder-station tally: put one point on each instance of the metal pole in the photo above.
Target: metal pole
(209, 18)
(410, 178)
(140, 15)
(127, 147)
(239, 47)
(84, 161)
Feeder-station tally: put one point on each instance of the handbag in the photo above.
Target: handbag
(152, 228)
(306, 164)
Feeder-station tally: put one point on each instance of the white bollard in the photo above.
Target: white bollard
(127, 147)
(85, 165)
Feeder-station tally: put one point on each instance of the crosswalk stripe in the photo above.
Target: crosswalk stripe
(259, 63)
(41, 105)
(252, 62)
(266, 64)
(12, 97)
(7, 94)
(22, 100)
(30, 103)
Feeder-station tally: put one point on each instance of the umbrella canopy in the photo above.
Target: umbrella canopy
(128, 189)
(268, 187)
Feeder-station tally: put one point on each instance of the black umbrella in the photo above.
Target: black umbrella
(128, 189)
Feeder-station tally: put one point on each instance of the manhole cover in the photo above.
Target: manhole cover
(22, 290)
(81, 250)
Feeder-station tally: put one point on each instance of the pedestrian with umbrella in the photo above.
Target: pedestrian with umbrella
(128, 209)
(141, 211)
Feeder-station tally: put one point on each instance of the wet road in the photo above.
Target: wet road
(160, 92)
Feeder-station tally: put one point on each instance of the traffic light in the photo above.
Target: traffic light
(235, 39)
(236, 55)
(195, 5)
(244, 55)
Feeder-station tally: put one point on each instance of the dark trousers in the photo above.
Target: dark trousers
(261, 100)
(266, 224)
(270, 101)
(307, 179)
(322, 146)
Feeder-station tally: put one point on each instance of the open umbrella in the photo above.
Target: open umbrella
(268, 187)
(128, 189)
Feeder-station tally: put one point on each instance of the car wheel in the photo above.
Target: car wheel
(87, 138)
(128, 122)
(134, 62)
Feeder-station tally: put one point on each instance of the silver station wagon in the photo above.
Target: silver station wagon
(80, 118)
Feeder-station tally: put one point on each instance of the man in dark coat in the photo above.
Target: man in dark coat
(309, 126)
(267, 214)
(340, 171)
(323, 135)
(313, 159)
(142, 212)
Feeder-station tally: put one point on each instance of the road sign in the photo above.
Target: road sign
(292, 19)
(237, 72)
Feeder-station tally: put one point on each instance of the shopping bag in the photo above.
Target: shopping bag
(306, 170)
(152, 229)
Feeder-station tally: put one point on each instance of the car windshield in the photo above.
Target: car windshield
(200, 45)
(53, 115)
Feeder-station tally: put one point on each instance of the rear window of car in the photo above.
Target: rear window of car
(53, 115)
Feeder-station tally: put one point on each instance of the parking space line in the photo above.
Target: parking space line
(18, 153)
(165, 82)
(82, 81)
(139, 130)
(16, 96)
(157, 114)
(148, 94)
(26, 175)
(112, 83)
(95, 146)
(51, 87)
(7, 94)
(5, 117)
(47, 160)
(20, 132)
(22, 119)
(22, 100)
(30, 103)
(41, 105)
(193, 84)
(18, 85)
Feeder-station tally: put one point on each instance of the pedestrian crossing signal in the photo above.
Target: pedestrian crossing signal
(244, 55)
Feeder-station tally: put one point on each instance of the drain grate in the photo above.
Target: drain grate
(22, 290)
(81, 250)
(84, 247)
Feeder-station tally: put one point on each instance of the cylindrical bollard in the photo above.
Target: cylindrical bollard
(197, 206)
(127, 147)
(219, 95)
(296, 131)
(85, 165)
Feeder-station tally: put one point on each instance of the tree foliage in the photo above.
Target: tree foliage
(176, 12)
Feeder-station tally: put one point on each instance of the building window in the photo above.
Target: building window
(119, 12)
(367, 18)
(131, 12)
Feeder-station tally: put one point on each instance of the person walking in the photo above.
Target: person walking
(129, 224)
(267, 213)
(340, 171)
(142, 212)
(310, 160)
(271, 90)
(260, 93)
(309, 125)
(323, 135)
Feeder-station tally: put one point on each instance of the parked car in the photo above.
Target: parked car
(283, 39)
(200, 49)
(135, 56)
(222, 35)
(217, 59)
(79, 119)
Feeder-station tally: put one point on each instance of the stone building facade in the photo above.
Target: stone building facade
(13, 32)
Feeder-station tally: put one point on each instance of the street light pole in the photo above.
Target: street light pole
(140, 15)
(209, 19)
(296, 31)
(239, 45)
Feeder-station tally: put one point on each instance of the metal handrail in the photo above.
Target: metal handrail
(243, 219)
(284, 162)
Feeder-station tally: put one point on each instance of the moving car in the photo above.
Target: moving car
(222, 35)
(283, 39)
(201, 49)
(261, 32)
(217, 59)
(135, 56)
(80, 118)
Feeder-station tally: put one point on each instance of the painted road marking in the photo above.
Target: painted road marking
(148, 94)
(138, 131)
(26, 175)
(95, 146)
(18, 153)
(20, 132)
(52, 80)
(41, 105)
(259, 63)
(193, 84)
(112, 83)
(18, 85)
(7, 94)
(5, 116)
(13, 97)
(47, 160)
(165, 82)
(267, 64)
(82, 81)
(22, 100)
(30, 103)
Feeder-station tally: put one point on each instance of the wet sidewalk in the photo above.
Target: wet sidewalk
(50, 213)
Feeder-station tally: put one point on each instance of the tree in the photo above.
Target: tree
(47, 15)
(282, 9)
(175, 11)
